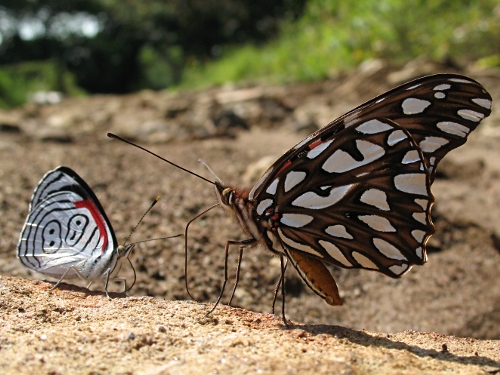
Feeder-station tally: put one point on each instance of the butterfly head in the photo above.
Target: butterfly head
(225, 196)
(124, 250)
(229, 198)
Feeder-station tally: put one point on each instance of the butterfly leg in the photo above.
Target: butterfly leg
(240, 258)
(278, 285)
(243, 244)
(282, 278)
(108, 273)
(63, 276)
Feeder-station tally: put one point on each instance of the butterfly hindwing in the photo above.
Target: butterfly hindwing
(66, 225)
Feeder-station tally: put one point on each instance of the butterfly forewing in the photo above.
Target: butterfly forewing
(358, 199)
(439, 112)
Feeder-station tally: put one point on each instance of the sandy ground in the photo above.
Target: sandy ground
(72, 330)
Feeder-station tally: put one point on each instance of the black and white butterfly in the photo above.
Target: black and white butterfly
(67, 234)
(357, 193)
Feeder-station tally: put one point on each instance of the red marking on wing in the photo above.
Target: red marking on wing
(315, 144)
(284, 167)
(99, 220)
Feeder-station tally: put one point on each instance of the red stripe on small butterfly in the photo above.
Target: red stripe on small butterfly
(89, 205)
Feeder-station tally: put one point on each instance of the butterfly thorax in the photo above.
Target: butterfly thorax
(99, 264)
(261, 227)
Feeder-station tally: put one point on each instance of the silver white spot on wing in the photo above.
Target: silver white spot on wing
(263, 205)
(314, 201)
(296, 220)
(395, 137)
(418, 235)
(485, 103)
(412, 106)
(419, 252)
(298, 246)
(420, 217)
(378, 223)
(339, 231)
(471, 115)
(399, 269)
(431, 144)
(335, 253)
(442, 87)
(459, 80)
(340, 161)
(453, 128)
(376, 198)
(271, 189)
(422, 203)
(364, 261)
(389, 250)
(373, 127)
(259, 183)
(411, 156)
(319, 149)
(413, 183)
(294, 178)
(413, 87)
(439, 95)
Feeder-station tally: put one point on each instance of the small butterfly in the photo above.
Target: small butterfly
(67, 234)
(357, 193)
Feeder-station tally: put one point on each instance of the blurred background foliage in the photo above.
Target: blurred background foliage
(120, 46)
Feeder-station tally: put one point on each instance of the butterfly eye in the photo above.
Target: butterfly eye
(120, 250)
(227, 194)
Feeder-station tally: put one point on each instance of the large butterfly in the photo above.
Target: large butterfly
(357, 193)
(67, 233)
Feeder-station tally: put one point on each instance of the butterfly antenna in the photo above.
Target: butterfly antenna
(111, 135)
(210, 170)
(140, 220)
(160, 238)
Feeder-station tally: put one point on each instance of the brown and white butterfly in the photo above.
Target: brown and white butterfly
(357, 193)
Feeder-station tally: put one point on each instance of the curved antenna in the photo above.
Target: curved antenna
(111, 135)
(186, 247)
(134, 243)
(135, 274)
(158, 238)
(140, 220)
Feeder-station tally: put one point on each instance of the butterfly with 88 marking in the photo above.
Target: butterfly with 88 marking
(67, 233)
(357, 193)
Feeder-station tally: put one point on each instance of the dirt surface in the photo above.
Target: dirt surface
(71, 330)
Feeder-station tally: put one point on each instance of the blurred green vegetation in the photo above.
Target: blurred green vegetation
(160, 44)
(19, 81)
(335, 35)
